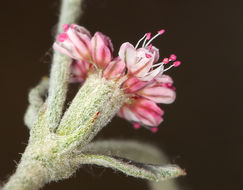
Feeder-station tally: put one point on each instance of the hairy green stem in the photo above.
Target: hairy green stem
(36, 100)
(30, 175)
(60, 70)
(94, 106)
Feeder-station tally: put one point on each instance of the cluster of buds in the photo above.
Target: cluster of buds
(137, 70)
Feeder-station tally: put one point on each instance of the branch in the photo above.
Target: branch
(36, 100)
(60, 70)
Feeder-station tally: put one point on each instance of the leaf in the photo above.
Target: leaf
(127, 157)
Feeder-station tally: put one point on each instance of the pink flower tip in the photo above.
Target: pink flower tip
(154, 130)
(148, 36)
(136, 125)
(161, 31)
(62, 37)
(166, 60)
(173, 57)
(176, 63)
(65, 27)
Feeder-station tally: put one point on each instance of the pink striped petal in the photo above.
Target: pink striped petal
(158, 94)
(79, 71)
(114, 69)
(133, 84)
(147, 112)
(126, 113)
(142, 67)
(81, 30)
(102, 50)
(155, 52)
(164, 79)
(81, 43)
(75, 42)
(128, 54)
(152, 51)
(67, 48)
(152, 74)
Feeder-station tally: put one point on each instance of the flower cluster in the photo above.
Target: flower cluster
(138, 70)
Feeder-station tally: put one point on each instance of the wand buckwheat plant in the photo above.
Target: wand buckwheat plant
(130, 85)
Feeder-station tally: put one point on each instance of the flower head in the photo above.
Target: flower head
(77, 43)
(137, 69)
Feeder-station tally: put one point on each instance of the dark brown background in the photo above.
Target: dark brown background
(202, 129)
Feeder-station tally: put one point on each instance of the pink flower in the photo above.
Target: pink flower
(77, 43)
(160, 91)
(138, 71)
(143, 110)
(102, 50)
(142, 62)
(115, 69)
(139, 61)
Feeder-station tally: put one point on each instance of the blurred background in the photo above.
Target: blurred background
(202, 131)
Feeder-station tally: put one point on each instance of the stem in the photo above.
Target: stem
(30, 175)
(36, 100)
(60, 70)
(94, 106)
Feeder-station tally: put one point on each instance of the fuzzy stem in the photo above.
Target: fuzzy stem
(30, 175)
(60, 71)
(36, 100)
(94, 106)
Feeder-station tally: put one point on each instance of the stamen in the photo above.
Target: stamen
(173, 57)
(140, 41)
(148, 36)
(168, 68)
(157, 64)
(161, 31)
(155, 36)
(166, 60)
(176, 63)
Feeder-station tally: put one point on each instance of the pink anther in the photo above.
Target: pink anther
(166, 60)
(161, 31)
(176, 63)
(173, 57)
(148, 36)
